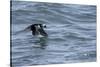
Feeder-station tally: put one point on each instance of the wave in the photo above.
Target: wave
(71, 33)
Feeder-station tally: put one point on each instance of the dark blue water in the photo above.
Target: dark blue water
(71, 29)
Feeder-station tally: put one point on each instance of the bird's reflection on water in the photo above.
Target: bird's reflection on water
(41, 43)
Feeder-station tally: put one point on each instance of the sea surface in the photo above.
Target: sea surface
(71, 32)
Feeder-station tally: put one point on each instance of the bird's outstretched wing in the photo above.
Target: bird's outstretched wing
(27, 29)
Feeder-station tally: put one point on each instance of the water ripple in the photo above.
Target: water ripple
(71, 32)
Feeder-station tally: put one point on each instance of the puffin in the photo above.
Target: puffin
(37, 30)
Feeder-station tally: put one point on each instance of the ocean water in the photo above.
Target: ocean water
(71, 32)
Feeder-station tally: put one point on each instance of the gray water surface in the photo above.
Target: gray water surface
(71, 33)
